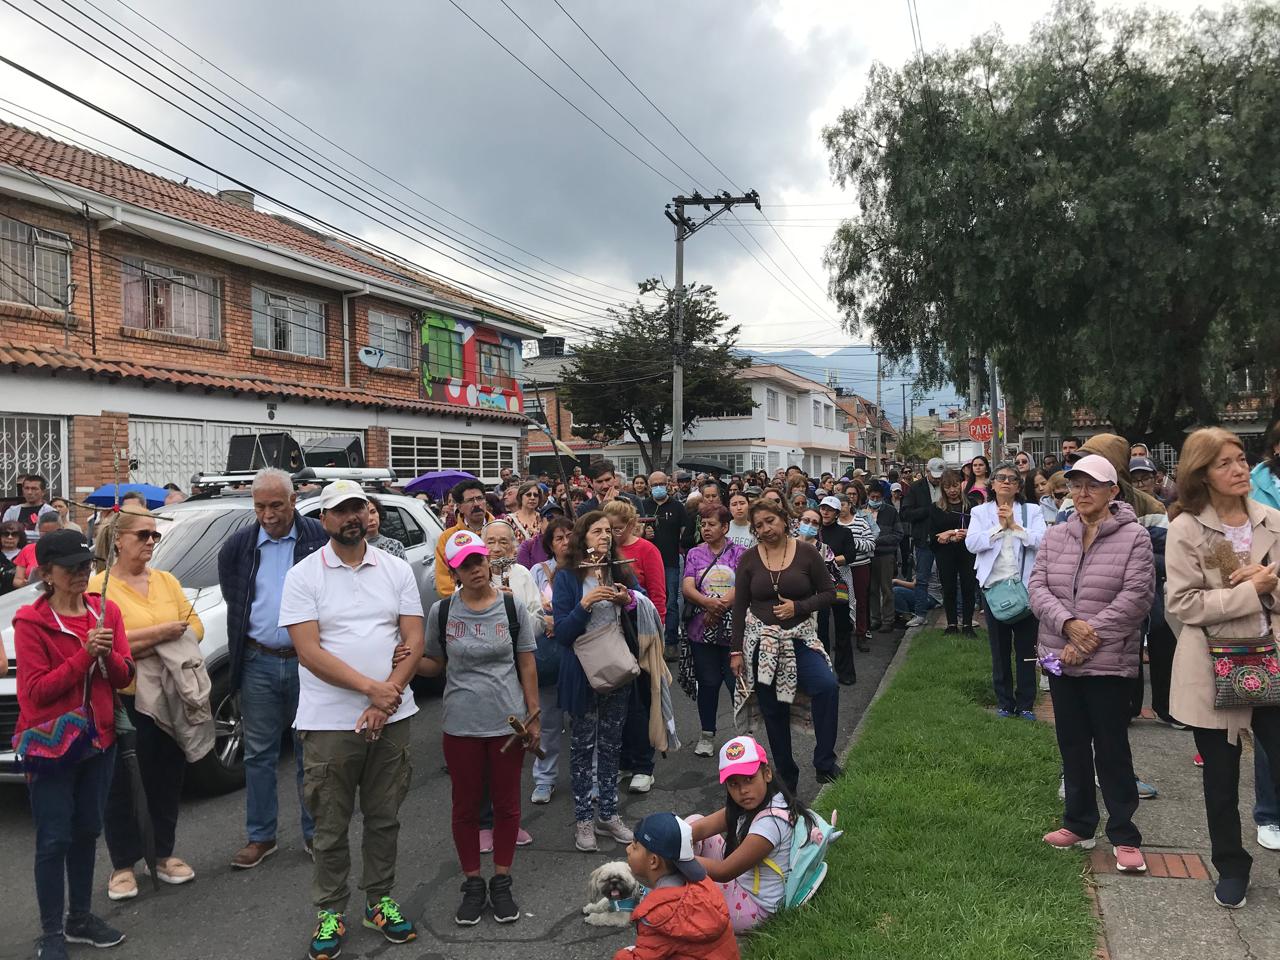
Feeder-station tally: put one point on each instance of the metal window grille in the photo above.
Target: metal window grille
(172, 451)
(32, 445)
(35, 265)
(288, 323)
(169, 300)
(413, 454)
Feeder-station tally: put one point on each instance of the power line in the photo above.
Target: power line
(550, 87)
(531, 287)
(300, 122)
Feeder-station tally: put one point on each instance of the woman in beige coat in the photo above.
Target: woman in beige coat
(1220, 559)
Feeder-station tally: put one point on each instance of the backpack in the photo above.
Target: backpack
(808, 857)
(513, 622)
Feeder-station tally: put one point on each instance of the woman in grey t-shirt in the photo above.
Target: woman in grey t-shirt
(485, 647)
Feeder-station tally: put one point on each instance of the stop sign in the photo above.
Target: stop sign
(980, 429)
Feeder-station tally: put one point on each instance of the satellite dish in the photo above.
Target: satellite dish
(373, 357)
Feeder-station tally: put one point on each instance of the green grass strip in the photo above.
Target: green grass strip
(943, 807)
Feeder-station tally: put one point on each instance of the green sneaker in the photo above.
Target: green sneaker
(385, 915)
(326, 943)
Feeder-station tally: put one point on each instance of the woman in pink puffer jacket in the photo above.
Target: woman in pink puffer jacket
(1091, 589)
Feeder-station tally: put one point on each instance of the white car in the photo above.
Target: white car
(194, 532)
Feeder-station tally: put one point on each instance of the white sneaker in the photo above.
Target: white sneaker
(916, 621)
(584, 837)
(706, 745)
(641, 783)
(1269, 836)
(615, 828)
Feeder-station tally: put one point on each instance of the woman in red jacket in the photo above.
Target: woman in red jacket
(59, 645)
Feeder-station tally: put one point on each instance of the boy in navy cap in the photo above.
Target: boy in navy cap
(684, 913)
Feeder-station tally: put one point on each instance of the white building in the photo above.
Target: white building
(794, 421)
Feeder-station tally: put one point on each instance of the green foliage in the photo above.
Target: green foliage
(1097, 208)
(917, 446)
(943, 807)
(620, 383)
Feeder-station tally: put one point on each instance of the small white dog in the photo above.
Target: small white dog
(612, 892)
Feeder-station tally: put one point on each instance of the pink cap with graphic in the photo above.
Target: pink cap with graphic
(741, 756)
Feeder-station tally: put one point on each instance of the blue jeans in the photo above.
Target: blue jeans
(67, 809)
(546, 769)
(924, 570)
(815, 678)
(268, 704)
(673, 605)
(711, 666)
(904, 601)
(1265, 808)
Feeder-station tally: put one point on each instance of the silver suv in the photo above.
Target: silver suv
(194, 532)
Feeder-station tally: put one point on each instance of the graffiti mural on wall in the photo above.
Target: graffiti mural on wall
(468, 365)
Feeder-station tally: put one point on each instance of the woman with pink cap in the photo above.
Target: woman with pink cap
(745, 846)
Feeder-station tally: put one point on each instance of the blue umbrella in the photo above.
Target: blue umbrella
(106, 495)
(437, 483)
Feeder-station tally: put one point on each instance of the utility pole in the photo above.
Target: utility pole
(905, 425)
(879, 383)
(66, 314)
(685, 228)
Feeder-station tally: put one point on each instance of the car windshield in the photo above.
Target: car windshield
(192, 539)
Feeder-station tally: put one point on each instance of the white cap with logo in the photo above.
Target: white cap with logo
(340, 491)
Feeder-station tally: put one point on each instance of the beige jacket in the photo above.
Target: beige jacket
(173, 690)
(1198, 604)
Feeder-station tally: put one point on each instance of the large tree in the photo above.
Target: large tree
(1097, 209)
(619, 384)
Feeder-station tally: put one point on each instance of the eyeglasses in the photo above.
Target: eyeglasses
(1005, 478)
(8, 533)
(145, 535)
(1093, 486)
(472, 501)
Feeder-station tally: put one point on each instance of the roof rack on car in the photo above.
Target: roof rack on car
(372, 476)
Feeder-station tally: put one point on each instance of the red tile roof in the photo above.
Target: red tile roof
(54, 159)
(56, 360)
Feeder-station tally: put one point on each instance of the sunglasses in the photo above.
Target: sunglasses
(145, 535)
(1005, 478)
(8, 533)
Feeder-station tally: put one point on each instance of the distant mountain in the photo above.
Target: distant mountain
(854, 368)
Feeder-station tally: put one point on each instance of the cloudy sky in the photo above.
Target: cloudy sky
(422, 93)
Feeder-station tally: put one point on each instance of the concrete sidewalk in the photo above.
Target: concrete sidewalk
(1169, 913)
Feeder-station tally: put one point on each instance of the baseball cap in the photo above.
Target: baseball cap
(461, 545)
(683, 476)
(1095, 466)
(340, 491)
(741, 756)
(65, 548)
(832, 502)
(895, 488)
(671, 838)
(935, 467)
(1142, 463)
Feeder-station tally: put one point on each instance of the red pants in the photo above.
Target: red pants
(474, 762)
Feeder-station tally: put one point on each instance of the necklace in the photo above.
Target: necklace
(774, 576)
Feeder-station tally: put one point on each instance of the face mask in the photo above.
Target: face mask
(659, 492)
(807, 530)
(874, 504)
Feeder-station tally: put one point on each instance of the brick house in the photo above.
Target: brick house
(192, 317)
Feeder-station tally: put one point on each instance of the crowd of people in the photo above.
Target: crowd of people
(562, 604)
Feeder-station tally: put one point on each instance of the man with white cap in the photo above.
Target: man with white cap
(347, 607)
(915, 511)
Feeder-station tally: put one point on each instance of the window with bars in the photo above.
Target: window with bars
(757, 461)
(771, 403)
(496, 364)
(394, 337)
(288, 323)
(413, 454)
(35, 265)
(444, 353)
(170, 300)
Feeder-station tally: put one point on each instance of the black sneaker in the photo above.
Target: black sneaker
(52, 947)
(968, 630)
(91, 930)
(474, 897)
(504, 905)
(832, 775)
(1230, 892)
(951, 628)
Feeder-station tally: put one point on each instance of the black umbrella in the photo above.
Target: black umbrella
(713, 467)
(127, 745)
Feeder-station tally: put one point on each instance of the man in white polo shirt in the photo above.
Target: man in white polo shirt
(346, 608)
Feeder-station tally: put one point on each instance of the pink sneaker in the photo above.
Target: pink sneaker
(1129, 860)
(1064, 839)
(522, 838)
(486, 841)
(1197, 760)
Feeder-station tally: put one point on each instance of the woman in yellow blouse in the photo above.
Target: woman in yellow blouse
(155, 611)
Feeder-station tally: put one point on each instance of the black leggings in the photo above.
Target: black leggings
(162, 764)
(956, 565)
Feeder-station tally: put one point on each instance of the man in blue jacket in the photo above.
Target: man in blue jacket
(252, 565)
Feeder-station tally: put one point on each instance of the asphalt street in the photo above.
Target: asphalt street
(266, 914)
